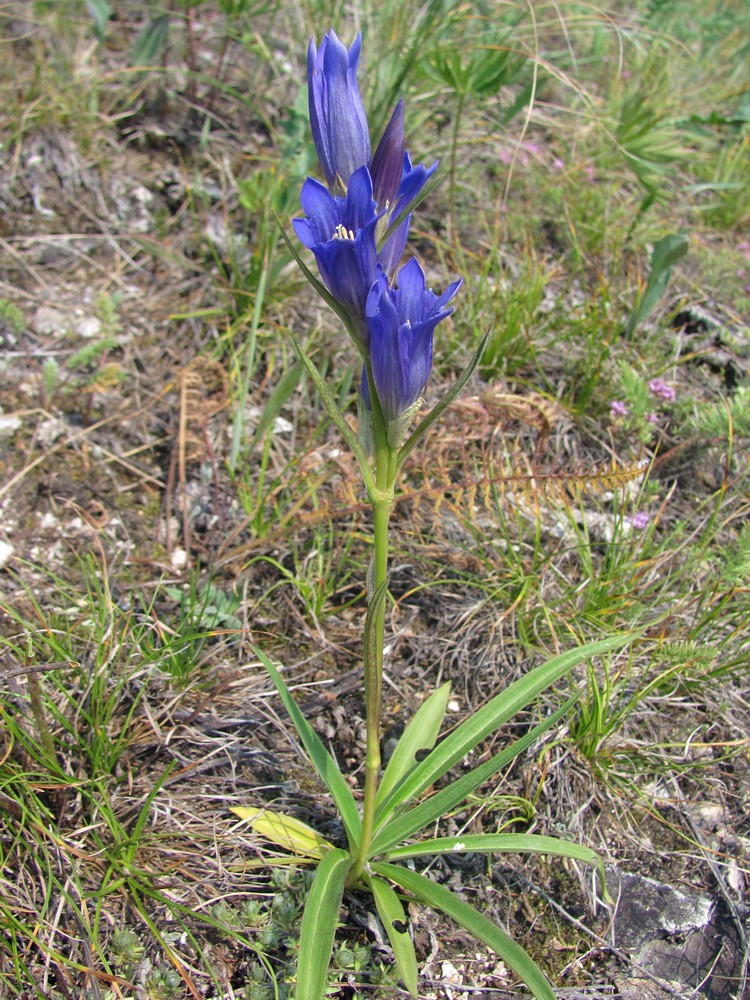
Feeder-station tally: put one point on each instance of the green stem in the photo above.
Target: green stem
(373, 695)
(382, 500)
(461, 100)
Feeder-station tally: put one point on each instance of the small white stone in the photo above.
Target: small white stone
(454, 706)
(6, 551)
(451, 975)
(88, 327)
(282, 426)
(178, 559)
(9, 424)
(48, 320)
(49, 431)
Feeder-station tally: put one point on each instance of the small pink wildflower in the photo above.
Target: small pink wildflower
(618, 408)
(590, 173)
(640, 520)
(652, 418)
(661, 390)
(558, 163)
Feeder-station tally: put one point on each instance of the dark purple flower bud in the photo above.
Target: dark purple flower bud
(340, 231)
(388, 162)
(337, 116)
(402, 321)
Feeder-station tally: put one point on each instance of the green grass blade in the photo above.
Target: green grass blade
(337, 416)
(497, 711)
(420, 734)
(319, 923)
(324, 763)
(441, 803)
(391, 912)
(477, 925)
(278, 399)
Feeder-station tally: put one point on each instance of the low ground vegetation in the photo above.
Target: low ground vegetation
(172, 493)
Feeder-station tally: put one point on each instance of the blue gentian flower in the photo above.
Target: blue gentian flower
(340, 231)
(401, 324)
(343, 226)
(337, 116)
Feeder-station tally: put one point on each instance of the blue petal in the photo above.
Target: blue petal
(321, 209)
(360, 205)
(410, 294)
(337, 116)
(447, 295)
(401, 322)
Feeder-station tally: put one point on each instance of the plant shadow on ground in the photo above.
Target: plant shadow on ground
(172, 493)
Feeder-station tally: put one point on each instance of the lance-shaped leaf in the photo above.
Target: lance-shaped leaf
(319, 922)
(286, 831)
(323, 762)
(497, 711)
(373, 653)
(667, 252)
(475, 923)
(277, 400)
(395, 831)
(420, 734)
(502, 843)
(391, 912)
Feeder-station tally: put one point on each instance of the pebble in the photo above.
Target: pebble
(9, 424)
(6, 551)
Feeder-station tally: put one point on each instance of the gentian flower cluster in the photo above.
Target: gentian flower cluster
(350, 227)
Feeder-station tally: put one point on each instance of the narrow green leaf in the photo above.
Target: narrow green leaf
(477, 925)
(278, 398)
(391, 913)
(324, 763)
(319, 923)
(440, 804)
(420, 734)
(151, 41)
(337, 416)
(500, 843)
(421, 429)
(667, 252)
(497, 711)
(494, 843)
(100, 13)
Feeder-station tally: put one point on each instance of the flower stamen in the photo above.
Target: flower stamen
(342, 233)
